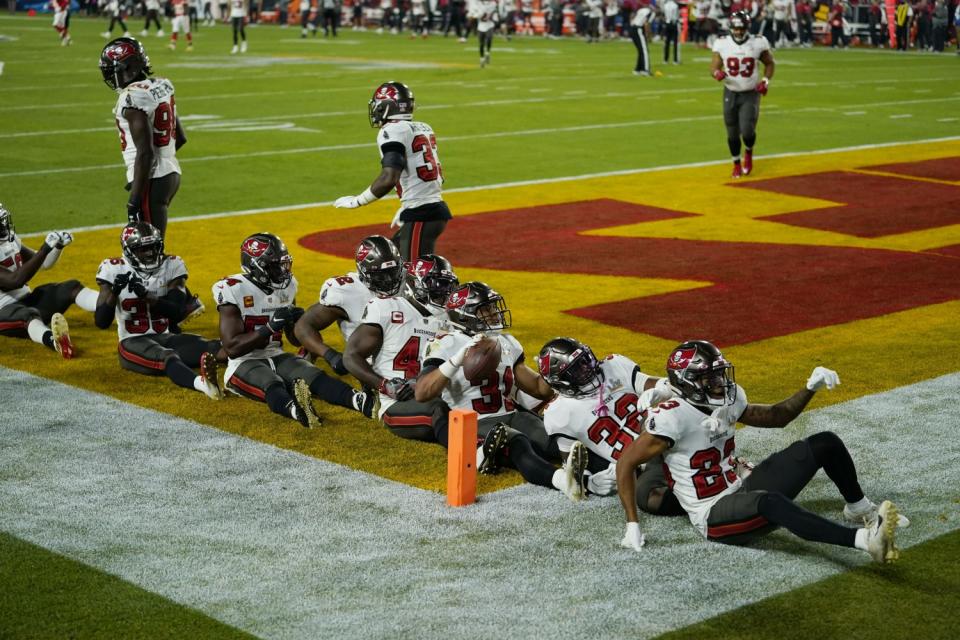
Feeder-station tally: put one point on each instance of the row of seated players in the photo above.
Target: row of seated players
(407, 329)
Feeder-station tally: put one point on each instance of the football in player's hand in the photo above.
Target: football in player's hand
(482, 360)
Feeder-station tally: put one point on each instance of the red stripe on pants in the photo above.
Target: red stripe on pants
(143, 362)
(736, 528)
(13, 324)
(145, 203)
(415, 240)
(243, 386)
(407, 421)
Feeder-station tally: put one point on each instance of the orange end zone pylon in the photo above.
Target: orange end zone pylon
(462, 458)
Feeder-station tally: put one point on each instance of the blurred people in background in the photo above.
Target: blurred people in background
(671, 31)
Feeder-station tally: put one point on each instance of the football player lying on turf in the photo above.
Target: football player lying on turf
(386, 351)
(342, 300)
(602, 404)
(145, 291)
(36, 314)
(256, 308)
(694, 433)
(475, 312)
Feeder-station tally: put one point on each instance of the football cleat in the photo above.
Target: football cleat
(243, 47)
(234, 50)
(208, 374)
(742, 467)
(747, 162)
(489, 453)
(363, 402)
(881, 536)
(194, 309)
(61, 336)
(868, 517)
(737, 170)
(303, 401)
(573, 469)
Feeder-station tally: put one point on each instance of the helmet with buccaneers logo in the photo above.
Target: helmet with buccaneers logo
(570, 367)
(699, 372)
(266, 262)
(123, 61)
(391, 101)
(380, 266)
(6, 224)
(477, 308)
(740, 26)
(431, 280)
(142, 247)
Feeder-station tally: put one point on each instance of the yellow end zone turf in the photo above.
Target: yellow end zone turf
(871, 355)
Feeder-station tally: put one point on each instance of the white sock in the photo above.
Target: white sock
(860, 541)
(480, 456)
(87, 299)
(36, 330)
(559, 480)
(860, 506)
(198, 384)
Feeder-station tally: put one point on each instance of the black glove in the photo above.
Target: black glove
(397, 388)
(136, 286)
(120, 283)
(335, 359)
(134, 210)
(295, 314)
(281, 318)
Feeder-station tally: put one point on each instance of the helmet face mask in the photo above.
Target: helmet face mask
(123, 61)
(570, 368)
(142, 247)
(739, 27)
(380, 266)
(266, 262)
(431, 280)
(701, 375)
(476, 308)
(6, 223)
(390, 101)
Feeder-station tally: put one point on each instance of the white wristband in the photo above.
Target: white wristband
(448, 370)
(366, 197)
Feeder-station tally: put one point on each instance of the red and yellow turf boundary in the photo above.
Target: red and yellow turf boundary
(664, 254)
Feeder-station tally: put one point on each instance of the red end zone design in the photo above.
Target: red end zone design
(755, 291)
(884, 205)
(940, 169)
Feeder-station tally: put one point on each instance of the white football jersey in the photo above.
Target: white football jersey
(153, 96)
(348, 293)
(406, 335)
(490, 398)
(152, 5)
(422, 176)
(238, 9)
(133, 314)
(741, 62)
(255, 307)
(699, 466)
(418, 7)
(487, 15)
(179, 7)
(608, 425)
(11, 260)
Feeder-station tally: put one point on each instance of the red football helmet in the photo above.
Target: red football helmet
(391, 101)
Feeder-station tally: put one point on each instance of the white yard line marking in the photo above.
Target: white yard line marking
(901, 116)
(282, 545)
(521, 183)
(854, 113)
(946, 119)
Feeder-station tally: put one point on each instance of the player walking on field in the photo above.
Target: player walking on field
(410, 162)
(181, 23)
(61, 20)
(238, 18)
(735, 59)
(150, 131)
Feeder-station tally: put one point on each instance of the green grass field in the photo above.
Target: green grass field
(285, 125)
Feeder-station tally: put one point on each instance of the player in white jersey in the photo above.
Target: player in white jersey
(342, 300)
(409, 161)
(181, 23)
(694, 432)
(735, 64)
(238, 19)
(602, 403)
(37, 314)
(418, 12)
(150, 131)
(386, 351)
(145, 291)
(638, 33)
(153, 15)
(256, 308)
(487, 11)
(305, 22)
(115, 10)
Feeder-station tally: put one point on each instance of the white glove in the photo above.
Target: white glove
(653, 396)
(633, 539)
(719, 420)
(346, 202)
(396, 223)
(603, 483)
(454, 362)
(822, 377)
(65, 238)
(52, 240)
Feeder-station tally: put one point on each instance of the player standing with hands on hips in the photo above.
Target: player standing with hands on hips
(409, 161)
(734, 64)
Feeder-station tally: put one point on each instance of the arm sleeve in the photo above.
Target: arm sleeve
(172, 305)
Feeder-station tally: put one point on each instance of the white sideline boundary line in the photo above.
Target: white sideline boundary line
(525, 183)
